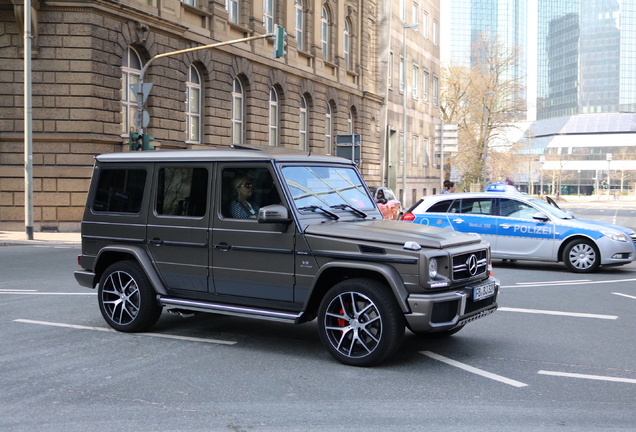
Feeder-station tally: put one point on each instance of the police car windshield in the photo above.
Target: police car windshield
(549, 209)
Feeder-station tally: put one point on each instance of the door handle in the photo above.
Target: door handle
(222, 246)
(155, 242)
(505, 226)
(458, 220)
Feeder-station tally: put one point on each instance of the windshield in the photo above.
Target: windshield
(326, 186)
(549, 209)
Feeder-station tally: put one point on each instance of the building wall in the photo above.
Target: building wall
(77, 87)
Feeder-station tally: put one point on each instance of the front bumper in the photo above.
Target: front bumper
(447, 310)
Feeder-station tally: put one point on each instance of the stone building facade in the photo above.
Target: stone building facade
(331, 81)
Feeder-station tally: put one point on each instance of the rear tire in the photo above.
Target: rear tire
(126, 298)
(360, 322)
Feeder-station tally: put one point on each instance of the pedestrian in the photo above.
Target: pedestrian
(445, 186)
(450, 188)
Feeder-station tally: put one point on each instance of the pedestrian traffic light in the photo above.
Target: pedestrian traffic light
(146, 142)
(134, 140)
(279, 41)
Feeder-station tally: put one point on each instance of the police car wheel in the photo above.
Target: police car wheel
(581, 256)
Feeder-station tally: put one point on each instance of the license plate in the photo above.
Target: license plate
(483, 291)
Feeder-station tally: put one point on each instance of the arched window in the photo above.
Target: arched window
(232, 7)
(130, 71)
(302, 123)
(268, 15)
(273, 117)
(193, 106)
(328, 129)
(349, 122)
(299, 24)
(347, 45)
(237, 112)
(324, 33)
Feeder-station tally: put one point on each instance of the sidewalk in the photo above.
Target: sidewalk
(13, 238)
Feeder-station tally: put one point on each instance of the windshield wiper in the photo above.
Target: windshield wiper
(314, 208)
(350, 207)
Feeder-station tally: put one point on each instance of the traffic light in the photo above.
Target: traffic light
(604, 184)
(146, 142)
(134, 140)
(279, 41)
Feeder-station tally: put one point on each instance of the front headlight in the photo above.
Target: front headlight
(614, 235)
(432, 268)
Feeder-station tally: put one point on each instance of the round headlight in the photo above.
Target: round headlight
(432, 268)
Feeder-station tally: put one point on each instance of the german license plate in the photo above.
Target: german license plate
(483, 291)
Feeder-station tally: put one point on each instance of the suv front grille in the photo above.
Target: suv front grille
(468, 265)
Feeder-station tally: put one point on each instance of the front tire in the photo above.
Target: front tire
(581, 256)
(126, 298)
(360, 322)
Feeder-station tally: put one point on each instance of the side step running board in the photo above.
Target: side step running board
(198, 306)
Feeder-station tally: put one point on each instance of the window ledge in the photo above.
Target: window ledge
(195, 10)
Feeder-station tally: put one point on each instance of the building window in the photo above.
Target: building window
(299, 24)
(350, 123)
(324, 33)
(389, 76)
(401, 72)
(190, 2)
(416, 14)
(237, 112)
(415, 142)
(232, 7)
(130, 71)
(435, 30)
(268, 15)
(193, 106)
(273, 117)
(435, 90)
(425, 86)
(347, 45)
(425, 25)
(415, 82)
(328, 129)
(302, 123)
(402, 10)
(425, 154)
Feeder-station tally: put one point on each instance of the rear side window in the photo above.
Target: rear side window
(119, 191)
(440, 207)
(182, 191)
(476, 206)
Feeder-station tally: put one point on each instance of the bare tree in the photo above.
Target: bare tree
(481, 99)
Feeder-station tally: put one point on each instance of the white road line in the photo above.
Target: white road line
(553, 282)
(590, 377)
(547, 312)
(541, 284)
(18, 292)
(474, 370)
(105, 329)
(625, 295)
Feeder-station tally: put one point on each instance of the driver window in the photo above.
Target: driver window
(245, 191)
(516, 209)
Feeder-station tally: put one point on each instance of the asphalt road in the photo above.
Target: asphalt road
(558, 356)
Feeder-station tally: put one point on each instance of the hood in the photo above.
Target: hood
(595, 225)
(393, 232)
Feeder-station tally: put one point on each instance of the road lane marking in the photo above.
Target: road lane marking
(542, 284)
(474, 370)
(590, 377)
(105, 329)
(547, 312)
(625, 295)
(556, 282)
(26, 292)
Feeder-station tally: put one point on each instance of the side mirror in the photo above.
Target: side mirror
(540, 216)
(274, 213)
(569, 215)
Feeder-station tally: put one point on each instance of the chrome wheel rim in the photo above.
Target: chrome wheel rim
(582, 256)
(353, 325)
(121, 298)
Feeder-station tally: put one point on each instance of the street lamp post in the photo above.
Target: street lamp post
(542, 161)
(406, 26)
(609, 186)
(578, 188)
(485, 130)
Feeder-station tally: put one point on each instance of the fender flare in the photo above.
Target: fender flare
(141, 256)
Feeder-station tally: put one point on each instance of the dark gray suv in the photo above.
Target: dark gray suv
(273, 234)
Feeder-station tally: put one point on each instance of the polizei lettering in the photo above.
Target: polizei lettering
(525, 229)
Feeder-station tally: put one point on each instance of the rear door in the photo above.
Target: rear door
(177, 231)
(474, 215)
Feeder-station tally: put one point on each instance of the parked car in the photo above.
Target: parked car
(387, 202)
(273, 234)
(520, 227)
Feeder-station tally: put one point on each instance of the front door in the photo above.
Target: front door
(177, 232)
(251, 259)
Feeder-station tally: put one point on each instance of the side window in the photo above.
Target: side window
(182, 191)
(516, 209)
(388, 194)
(245, 191)
(441, 207)
(119, 191)
(476, 206)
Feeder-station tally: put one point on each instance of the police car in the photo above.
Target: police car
(520, 227)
